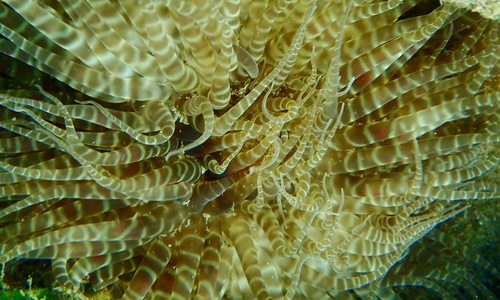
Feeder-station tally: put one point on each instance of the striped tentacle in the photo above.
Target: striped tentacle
(134, 227)
(180, 76)
(223, 123)
(154, 261)
(102, 268)
(243, 149)
(155, 110)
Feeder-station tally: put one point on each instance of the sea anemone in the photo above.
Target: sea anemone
(241, 149)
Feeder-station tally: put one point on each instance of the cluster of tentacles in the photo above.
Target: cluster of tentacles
(248, 149)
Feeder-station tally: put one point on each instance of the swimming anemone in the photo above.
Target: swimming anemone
(240, 149)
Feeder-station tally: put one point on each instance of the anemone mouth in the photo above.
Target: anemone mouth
(241, 149)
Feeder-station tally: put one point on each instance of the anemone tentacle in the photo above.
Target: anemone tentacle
(243, 149)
